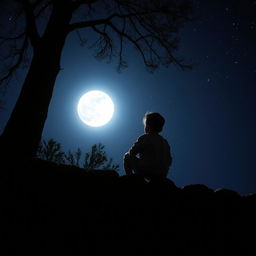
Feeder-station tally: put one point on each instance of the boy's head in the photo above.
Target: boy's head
(153, 122)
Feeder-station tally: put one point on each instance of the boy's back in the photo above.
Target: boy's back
(154, 154)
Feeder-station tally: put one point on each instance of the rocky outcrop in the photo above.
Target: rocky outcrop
(64, 210)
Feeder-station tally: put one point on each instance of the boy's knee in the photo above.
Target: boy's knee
(127, 164)
(126, 157)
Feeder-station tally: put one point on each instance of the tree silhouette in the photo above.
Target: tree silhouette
(51, 150)
(34, 37)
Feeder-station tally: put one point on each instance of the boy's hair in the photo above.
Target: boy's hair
(154, 120)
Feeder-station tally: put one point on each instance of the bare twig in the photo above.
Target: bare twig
(20, 53)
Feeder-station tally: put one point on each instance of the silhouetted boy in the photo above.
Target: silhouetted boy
(150, 156)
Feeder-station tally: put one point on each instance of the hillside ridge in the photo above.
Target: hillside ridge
(70, 211)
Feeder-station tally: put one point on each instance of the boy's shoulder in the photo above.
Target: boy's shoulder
(142, 137)
(155, 137)
(147, 136)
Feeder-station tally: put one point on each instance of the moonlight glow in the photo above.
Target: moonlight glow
(95, 108)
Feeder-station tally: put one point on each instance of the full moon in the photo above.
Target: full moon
(95, 108)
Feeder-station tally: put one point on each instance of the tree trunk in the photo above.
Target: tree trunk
(24, 128)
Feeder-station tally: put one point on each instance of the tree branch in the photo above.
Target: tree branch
(30, 22)
(85, 24)
(43, 8)
(20, 53)
(144, 38)
(138, 47)
(148, 31)
(167, 45)
(104, 42)
(122, 63)
(4, 39)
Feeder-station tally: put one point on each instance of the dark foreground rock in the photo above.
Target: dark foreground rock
(63, 210)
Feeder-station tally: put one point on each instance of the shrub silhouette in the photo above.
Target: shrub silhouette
(51, 150)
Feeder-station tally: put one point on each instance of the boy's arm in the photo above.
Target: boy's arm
(137, 147)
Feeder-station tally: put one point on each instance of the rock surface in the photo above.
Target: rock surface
(64, 210)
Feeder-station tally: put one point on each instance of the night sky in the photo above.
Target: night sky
(209, 111)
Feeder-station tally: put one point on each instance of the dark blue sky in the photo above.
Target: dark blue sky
(209, 111)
